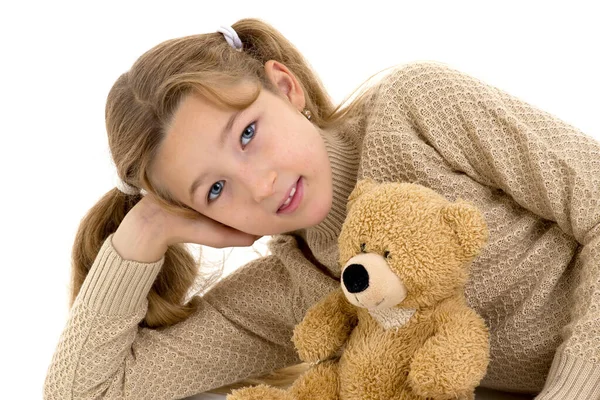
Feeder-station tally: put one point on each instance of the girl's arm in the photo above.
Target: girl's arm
(243, 327)
(546, 165)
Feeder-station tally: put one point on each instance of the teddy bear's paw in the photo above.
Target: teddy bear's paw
(313, 346)
(311, 351)
(430, 383)
(314, 356)
(260, 392)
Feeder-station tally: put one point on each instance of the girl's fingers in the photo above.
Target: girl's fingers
(214, 234)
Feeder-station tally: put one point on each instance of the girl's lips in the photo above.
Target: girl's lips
(287, 194)
(296, 199)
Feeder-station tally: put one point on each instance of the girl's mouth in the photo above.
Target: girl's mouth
(294, 198)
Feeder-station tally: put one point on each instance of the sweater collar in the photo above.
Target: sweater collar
(344, 159)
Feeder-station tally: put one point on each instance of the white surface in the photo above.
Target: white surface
(59, 60)
(480, 394)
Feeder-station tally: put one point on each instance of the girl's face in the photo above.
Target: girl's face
(244, 166)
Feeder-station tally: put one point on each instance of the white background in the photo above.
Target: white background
(58, 61)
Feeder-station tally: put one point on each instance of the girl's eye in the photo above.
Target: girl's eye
(215, 191)
(245, 138)
(248, 134)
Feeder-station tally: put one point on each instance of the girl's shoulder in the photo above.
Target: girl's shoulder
(386, 95)
(410, 73)
(405, 84)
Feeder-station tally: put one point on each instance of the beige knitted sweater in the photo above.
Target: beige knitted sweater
(536, 284)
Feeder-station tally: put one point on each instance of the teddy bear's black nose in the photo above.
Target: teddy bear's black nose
(356, 278)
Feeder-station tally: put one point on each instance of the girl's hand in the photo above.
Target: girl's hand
(148, 229)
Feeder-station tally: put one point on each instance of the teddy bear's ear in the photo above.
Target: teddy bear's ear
(468, 224)
(362, 186)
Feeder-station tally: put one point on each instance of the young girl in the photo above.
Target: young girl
(225, 137)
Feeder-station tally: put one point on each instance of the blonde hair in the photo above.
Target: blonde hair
(138, 110)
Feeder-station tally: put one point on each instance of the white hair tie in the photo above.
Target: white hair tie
(126, 188)
(231, 36)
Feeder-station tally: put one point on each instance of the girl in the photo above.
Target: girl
(225, 137)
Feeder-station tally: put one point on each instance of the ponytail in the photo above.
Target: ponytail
(171, 287)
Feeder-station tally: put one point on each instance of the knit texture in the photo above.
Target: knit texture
(536, 283)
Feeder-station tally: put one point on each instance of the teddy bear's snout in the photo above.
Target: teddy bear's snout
(368, 282)
(356, 278)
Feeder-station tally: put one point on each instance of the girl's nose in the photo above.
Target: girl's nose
(263, 186)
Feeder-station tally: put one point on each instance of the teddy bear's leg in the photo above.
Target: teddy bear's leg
(260, 392)
(320, 382)
(468, 396)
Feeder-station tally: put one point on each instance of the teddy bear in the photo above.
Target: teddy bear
(399, 326)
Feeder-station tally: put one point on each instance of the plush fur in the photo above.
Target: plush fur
(399, 326)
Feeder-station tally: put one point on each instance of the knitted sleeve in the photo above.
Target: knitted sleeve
(544, 164)
(242, 328)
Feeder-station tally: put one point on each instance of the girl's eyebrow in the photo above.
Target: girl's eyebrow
(227, 129)
(222, 140)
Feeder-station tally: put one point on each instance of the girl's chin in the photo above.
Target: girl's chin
(304, 217)
(320, 212)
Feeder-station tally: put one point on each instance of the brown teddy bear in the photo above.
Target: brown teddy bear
(399, 327)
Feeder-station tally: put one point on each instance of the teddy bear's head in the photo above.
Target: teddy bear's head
(404, 245)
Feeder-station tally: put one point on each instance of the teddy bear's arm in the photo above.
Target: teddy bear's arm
(325, 328)
(454, 360)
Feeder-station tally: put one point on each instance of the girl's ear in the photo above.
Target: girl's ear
(286, 83)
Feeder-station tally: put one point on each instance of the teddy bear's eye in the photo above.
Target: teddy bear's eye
(386, 254)
(363, 247)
